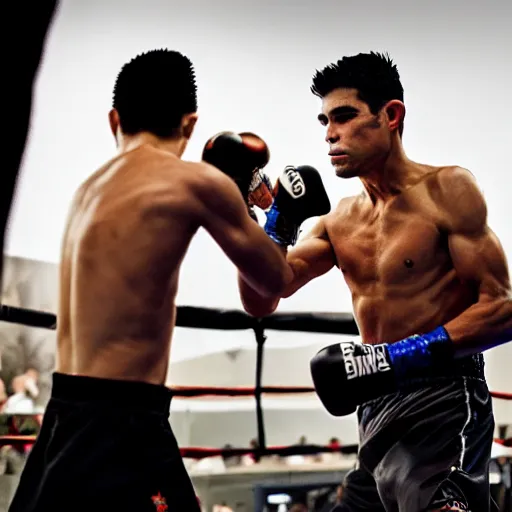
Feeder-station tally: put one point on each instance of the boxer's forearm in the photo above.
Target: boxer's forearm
(255, 304)
(485, 324)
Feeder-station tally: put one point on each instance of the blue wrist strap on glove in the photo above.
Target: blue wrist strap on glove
(278, 228)
(419, 352)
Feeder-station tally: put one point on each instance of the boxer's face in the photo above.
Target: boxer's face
(359, 141)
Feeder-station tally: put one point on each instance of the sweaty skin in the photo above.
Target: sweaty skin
(414, 247)
(128, 230)
(417, 262)
(397, 263)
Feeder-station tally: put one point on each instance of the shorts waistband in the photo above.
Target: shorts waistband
(470, 366)
(133, 395)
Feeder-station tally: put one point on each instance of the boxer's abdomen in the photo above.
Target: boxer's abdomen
(397, 265)
(388, 319)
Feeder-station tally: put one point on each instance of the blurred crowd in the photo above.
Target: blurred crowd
(322, 499)
(20, 394)
(325, 496)
(19, 415)
(227, 461)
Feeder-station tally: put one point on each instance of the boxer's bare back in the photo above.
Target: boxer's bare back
(128, 230)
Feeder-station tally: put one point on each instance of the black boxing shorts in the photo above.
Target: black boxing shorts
(105, 445)
(425, 447)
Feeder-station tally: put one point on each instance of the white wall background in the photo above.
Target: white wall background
(254, 63)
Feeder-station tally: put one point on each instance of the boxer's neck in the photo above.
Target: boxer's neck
(391, 176)
(126, 143)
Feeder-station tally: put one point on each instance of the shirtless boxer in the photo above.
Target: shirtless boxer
(105, 441)
(430, 289)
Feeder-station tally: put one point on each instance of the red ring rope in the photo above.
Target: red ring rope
(202, 452)
(199, 452)
(195, 391)
(500, 395)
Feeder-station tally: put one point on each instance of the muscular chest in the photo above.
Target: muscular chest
(396, 246)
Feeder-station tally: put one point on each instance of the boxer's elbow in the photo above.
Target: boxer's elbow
(260, 308)
(491, 323)
(284, 281)
(259, 302)
(501, 317)
(262, 298)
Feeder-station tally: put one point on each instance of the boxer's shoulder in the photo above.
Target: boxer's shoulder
(450, 178)
(458, 198)
(345, 216)
(207, 181)
(348, 207)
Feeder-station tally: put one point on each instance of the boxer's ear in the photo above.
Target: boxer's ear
(188, 124)
(395, 112)
(113, 119)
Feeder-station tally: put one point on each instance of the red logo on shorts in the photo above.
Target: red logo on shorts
(160, 503)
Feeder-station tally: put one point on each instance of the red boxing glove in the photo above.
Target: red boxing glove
(241, 157)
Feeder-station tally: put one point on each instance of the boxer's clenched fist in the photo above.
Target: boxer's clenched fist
(242, 157)
(299, 194)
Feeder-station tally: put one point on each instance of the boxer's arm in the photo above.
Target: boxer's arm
(479, 260)
(312, 257)
(343, 373)
(224, 215)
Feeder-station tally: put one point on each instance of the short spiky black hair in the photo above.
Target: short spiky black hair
(373, 74)
(154, 91)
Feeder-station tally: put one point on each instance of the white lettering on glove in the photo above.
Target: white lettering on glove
(294, 184)
(369, 360)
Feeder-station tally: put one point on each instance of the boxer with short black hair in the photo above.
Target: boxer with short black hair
(105, 441)
(431, 291)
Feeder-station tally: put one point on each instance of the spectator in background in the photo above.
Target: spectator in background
(231, 461)
(25, 392)
(502, 493)
(334, 443)
(250, 459)
(298, 507)
(299, 458)
(334, 456)
(221, 508)
(3, 396)
(339, 493)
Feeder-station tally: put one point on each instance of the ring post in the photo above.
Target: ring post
(259, 332)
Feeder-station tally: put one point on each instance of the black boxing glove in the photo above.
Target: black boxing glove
(299, 194)
(348, 374)
(241, 157)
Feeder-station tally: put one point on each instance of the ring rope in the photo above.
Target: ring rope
(209, 318)
(197, 391)
(197, 452)
(224, 319)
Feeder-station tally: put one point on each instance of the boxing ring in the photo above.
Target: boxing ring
(230, 320)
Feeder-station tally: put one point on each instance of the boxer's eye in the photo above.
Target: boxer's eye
(343, 118)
